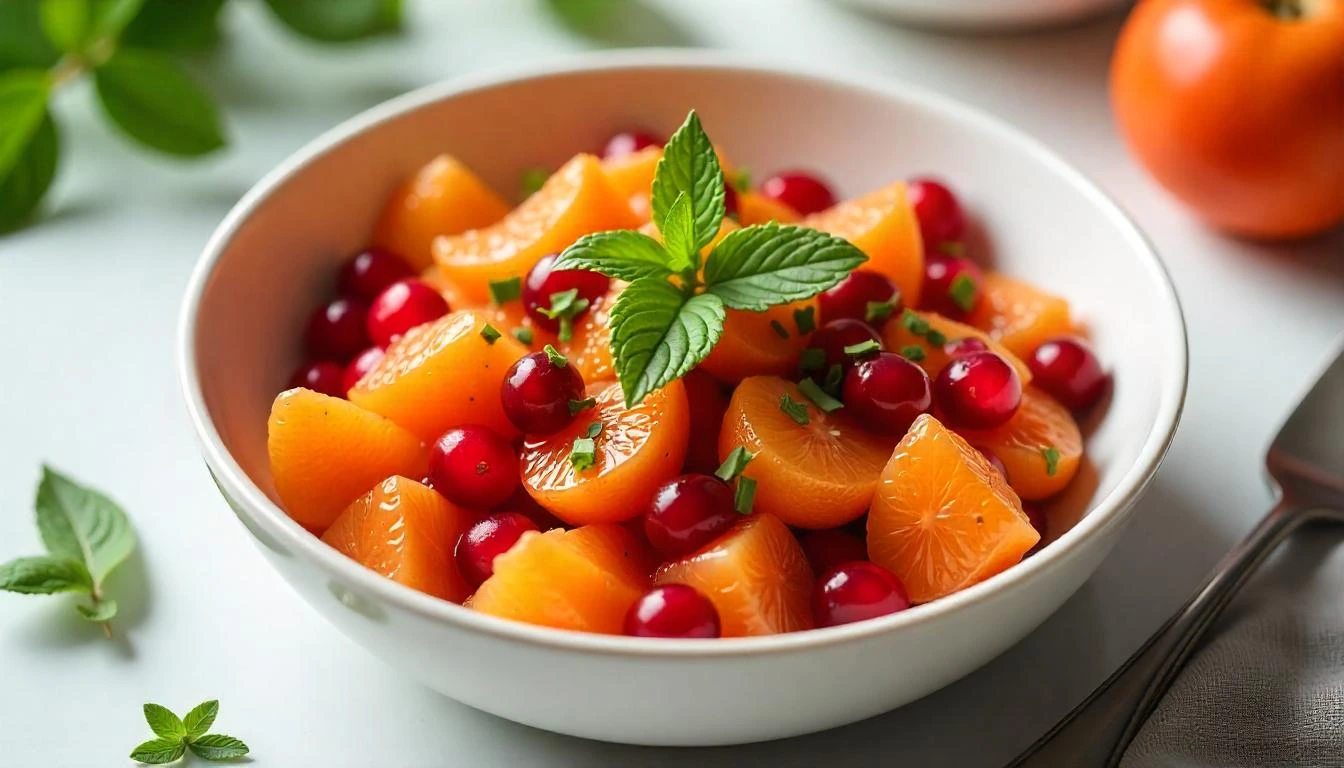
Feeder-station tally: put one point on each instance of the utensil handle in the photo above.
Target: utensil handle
(1097, 732)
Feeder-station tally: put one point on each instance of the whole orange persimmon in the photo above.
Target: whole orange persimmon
(1237, 108)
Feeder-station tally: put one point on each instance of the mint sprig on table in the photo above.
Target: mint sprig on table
(174, 736)
(86, 535)
(671, 315)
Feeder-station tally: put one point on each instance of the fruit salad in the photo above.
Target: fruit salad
(658, 400)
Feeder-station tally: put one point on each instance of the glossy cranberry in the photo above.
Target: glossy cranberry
(336, 331)
(487, 539)
(629, 142)
(542, 283)
(963, 347)
(401, 307)
(939, 213)
(886, 393)
(951, 285)
(371, 272)
(1067, 369)
(320, 376)
(362, 364)
(730, 201)
(672, 610)
(830, 547)
(688, 512)
(856, 591)
(833, 337)
(537, 394)
(800, 190)
(978, 391)
(707, 404)
(851, 297)
(474, 467)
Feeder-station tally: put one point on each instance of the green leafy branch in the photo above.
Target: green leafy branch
(132, 50)
(174, 736)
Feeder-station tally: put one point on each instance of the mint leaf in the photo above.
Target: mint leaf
(794, 409)
(337, 21)
(81, 524)
(737, 460)
(579, 406)
(584, 454)
(99, 612)
(805, 319)
(523, 334)
(217, 746)
(565, 306)
(490, 333)
(962, 291)
(44, 576)
(163, 722)
(110, 17)
(557, 359)
(679, 234)
(690, 166)
(914, 353)
(153, 101)
(813, 391)
(174, 26)
(1051, 456)
(760, 266)
(658, 334)
(865, 347)
(24, 184)
(878, 311)
(199, 719)
(506, 290)
(159, 751)
(745, 495)
(66, 23)
(22, 43)
(779, 329)
(623, 254)
(23, 106)
(811, 360)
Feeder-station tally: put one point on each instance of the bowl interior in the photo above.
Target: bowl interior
(1035, 218)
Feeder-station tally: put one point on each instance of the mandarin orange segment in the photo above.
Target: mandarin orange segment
(549, 580)
(1041, 436)
(816, 475)
(637, 449)
(755, 208)
(882, 224)
(896, 337)
(756, 575)
(442, 198)
(617, 549)
(326, 451)
(632, 174)
(441, 375)
(1019, 315)
(577, 200)
(943, 518)
(407, 532)
(758, 343)
(589, 348)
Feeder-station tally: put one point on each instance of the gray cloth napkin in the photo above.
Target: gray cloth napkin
(1267, 687)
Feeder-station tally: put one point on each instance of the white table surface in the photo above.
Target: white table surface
(88, 306)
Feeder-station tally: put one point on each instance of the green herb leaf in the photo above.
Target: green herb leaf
(579, 406)
(99, 612)
(865, 347)
(914, 353)
(110, 17)
(584, 453)
(217, 746)
(737, 460)
(594, 429)
(745, 495)
(153, 100)
(835, 376)
(159, 751)
(811, 360)
(174, 26)
(66, 23)
(622, 253)
(22, 43)
(690, 166)
(952, 248)
(523, 334)
(658, 334)
(23, 106)
(199, 719)
(760, 266)
(935, 338)
(805, 319)
(795, 410)
(163, 722)
(779, 329)
(531, 180)
(81, 524)
(1051, 456)
(44, 575)
(914, 323)
(679, 234)
(27, 181)
(962, 291)
(506, 290)
(565, 306)
(338, 21)
(813, 391)
(490, 333)
(878, 311)
(557, 359)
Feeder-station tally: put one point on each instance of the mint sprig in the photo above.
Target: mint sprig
(670, 317)
(174, 736)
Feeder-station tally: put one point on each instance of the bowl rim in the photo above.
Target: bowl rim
(259, 510)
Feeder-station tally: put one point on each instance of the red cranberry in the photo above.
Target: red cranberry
(1067, 369)
(963, 347)
(672, 610)
(978, 391)
(887, 393)
(371, 272)
(523, 503)
(539, 396)
(474, 467)
(404, 305)
(541, 284)
(628, 143)
(833, 337)
(707, 402)
(857, 591)
(336, 331)
(801, 191)
(951, 285)
(362, 364)
(851, 297)
(320, 376)
(687, 513)
(830, 547)
(487, 539)
(730, 202)
(939, 213)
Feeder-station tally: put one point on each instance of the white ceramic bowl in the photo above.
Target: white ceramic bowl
(275, 255)
(985, 15)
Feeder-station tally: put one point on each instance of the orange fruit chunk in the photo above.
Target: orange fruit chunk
(589, 349)
(943, 518)
(617, 549)
(816, 475)
(632, 174)
(895, 336)
(1039, 425)
(882, 224)
(578, 199)
(442, 198)
(326, 451)
(406, 532)
(756, 575)
(755, 208)
(563, 579)
(751, 343)
(1018, 315)
(637, 449)
(441, 375)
